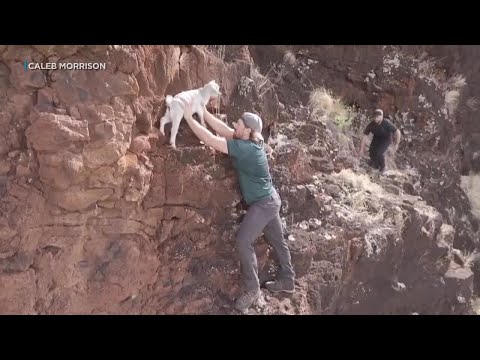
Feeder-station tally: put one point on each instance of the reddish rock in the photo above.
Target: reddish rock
(51, 132)
(4, 79)
(4, 167)
(62, 169)
(19, 293)
(77, 199)
(23, 171)
(26, 80)
(73, 86)
(143, 112)
(104, 153)
(322, 164)
(45, 96)
(4, 145)
(60, 50)
(139, 145)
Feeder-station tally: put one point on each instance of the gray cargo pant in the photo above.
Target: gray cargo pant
(263, 215)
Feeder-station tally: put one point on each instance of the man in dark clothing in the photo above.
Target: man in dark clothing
(244, 144)
(384, 133)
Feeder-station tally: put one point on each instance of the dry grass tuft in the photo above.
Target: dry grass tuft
(473, 103)
(324, 106)
(470, 258)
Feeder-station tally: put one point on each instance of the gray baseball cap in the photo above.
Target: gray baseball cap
(253, 121)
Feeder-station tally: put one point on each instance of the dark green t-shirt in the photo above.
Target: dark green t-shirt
(251, 163)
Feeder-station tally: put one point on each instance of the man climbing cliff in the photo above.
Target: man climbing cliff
(384, 133)
(244, 144)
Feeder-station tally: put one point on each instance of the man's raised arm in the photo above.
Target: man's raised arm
(218, 125)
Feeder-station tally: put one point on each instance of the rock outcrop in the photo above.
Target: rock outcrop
(98, 215)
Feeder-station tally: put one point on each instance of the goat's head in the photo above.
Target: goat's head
(212, 89)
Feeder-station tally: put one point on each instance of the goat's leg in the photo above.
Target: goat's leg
(176, 118)
(165, 120)
(202, 120)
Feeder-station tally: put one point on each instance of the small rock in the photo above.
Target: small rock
(303, 225)
(4, 167)
(140, 144)
(4, 145)
(322, 164)
(458, 257)
(26, 79)
(333, 190)
(408, 207)
(291, 238)
(398, 286)
(148, 164)
(105, 130)
(60, 111)
(144, 159)
(74, 113)
(23, 170)
(458, 275)
(12, 154)
(314, 223)
(109, 204)
(261, 303)
(393, 189)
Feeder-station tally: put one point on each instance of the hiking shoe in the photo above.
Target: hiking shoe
(286, 286)
(246, 300)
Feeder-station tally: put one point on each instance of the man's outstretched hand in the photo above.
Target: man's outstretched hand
(205, 136)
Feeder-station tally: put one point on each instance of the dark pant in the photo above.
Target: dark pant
(263, 215)
(377, 155)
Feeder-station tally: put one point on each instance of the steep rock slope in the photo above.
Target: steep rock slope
(99, 215)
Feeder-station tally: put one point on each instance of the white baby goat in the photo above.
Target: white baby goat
(175, 106)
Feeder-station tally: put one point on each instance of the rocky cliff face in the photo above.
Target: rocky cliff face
(99, 215)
